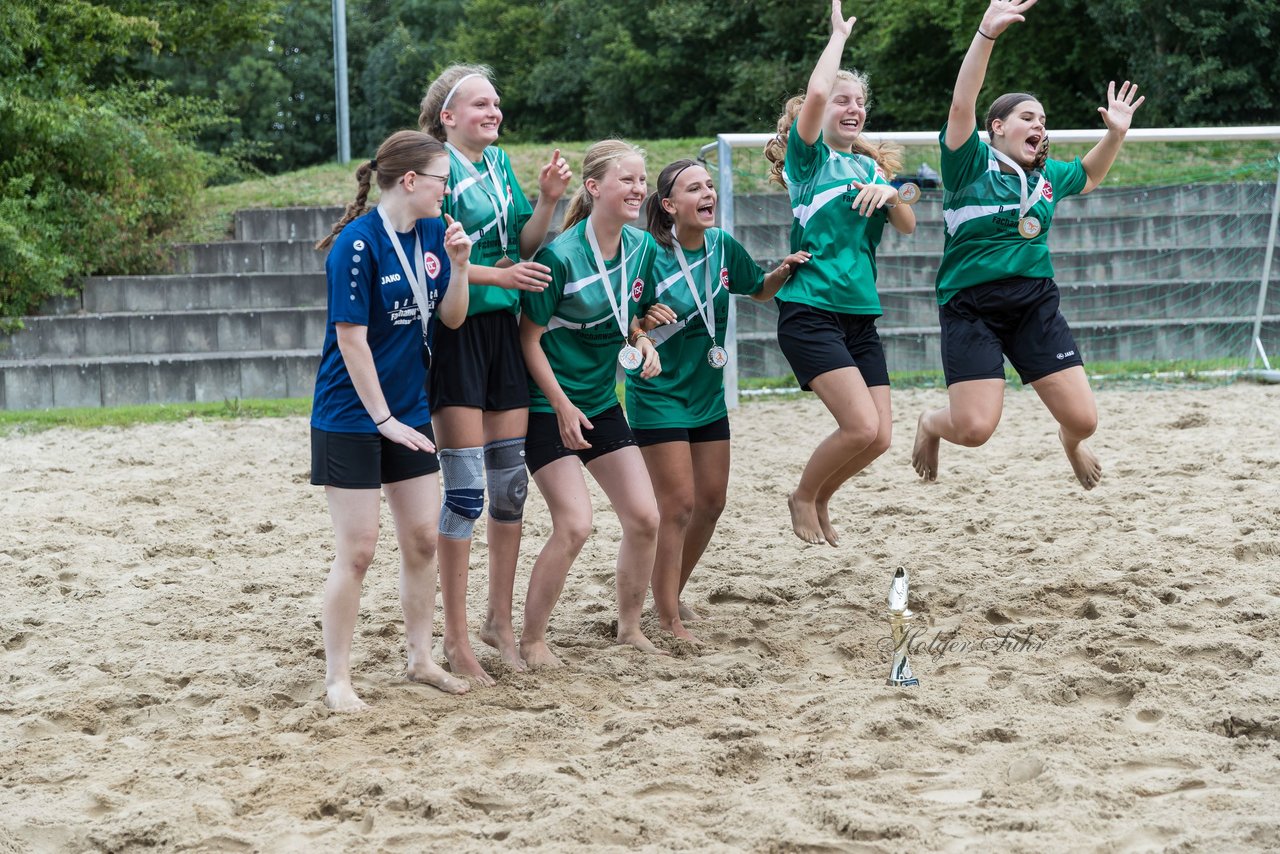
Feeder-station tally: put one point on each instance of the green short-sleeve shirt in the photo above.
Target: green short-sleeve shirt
(841, 276)
(582, 338)
(690, 392)
(471, 202)
(980, 205)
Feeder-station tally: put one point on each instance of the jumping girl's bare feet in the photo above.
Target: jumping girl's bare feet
(1083, 462)
(824, 523)
(924, 456)
(804, 520)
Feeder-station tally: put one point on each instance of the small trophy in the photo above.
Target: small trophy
(900, 619)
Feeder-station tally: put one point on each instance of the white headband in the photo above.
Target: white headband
(463, 79)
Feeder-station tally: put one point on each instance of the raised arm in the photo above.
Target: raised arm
(963, 116)
(1118, 115)
(809, 122)
(553, 180)
(452, 310)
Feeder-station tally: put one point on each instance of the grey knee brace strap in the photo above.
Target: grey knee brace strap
(463, 470)
(508, 479)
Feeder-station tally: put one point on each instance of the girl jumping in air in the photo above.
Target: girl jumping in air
(679, 417)
(841, 198)
(996, 293)
(388, 271)
(481, 404)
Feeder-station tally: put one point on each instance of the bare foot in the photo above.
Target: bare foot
(1083, 462)
(500, 637)
(433, 674)
(804, 520)
(538, 656)
(924, 456)
(676, 627)
(341, 697)
(636, 638)
(462, 661)
(688, 615)
(824, 523)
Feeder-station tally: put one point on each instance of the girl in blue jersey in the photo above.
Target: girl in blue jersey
(841, 199)
(480, 406)
(391, 271)
(996, 293)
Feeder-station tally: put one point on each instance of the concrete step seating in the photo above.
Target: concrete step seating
(1160, 273)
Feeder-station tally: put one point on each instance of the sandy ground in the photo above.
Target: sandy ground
(1100, 670)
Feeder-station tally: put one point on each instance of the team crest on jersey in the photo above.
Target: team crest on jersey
(1048, 190)
(724, 277)
(432, 264)
(637, 290)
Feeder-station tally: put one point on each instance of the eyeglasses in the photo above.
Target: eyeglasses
(443, 179)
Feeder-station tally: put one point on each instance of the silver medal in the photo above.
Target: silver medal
(629, 357)
(717, 356)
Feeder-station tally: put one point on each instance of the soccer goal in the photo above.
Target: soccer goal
(1154, 279)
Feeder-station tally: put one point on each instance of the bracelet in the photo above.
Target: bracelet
(383, 421)
(635, 339)
(984, 35)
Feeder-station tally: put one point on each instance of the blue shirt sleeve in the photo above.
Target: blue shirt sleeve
(351, 268)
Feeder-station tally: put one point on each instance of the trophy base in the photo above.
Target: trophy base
(903, 683)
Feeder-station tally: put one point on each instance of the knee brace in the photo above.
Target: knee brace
(508, 479)
(463, 470)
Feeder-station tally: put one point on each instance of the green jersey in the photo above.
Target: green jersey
(690, 392)
(582, 340)
(841, 276)
(980, 210)
(478, 192)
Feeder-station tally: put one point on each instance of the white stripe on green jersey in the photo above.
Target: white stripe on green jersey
(689, 392)
(980, 209)
(582, 338)
(841, 276)
(469, 204)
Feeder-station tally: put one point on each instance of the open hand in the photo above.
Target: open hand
(1118, 113)
(571, 421)
(403, 434)
(1002, 13)
(840, 26)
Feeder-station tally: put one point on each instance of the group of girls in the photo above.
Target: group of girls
(447, 313)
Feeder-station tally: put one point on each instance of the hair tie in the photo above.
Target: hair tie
(373, 165)
(447, 98)
(672, 185)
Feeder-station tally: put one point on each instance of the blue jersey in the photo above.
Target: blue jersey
(368, 287)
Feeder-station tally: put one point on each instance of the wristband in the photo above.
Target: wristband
(383, 421)
(984, 35)
(635, 339)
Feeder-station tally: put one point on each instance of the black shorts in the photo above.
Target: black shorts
(1016, 317)
(542, 445)
(815, 341)
(366, 460)
(716, 431)
(479, 364)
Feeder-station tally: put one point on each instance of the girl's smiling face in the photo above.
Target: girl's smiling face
(846, 114)
(692, 202)
(620, 193)
(473, 117)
